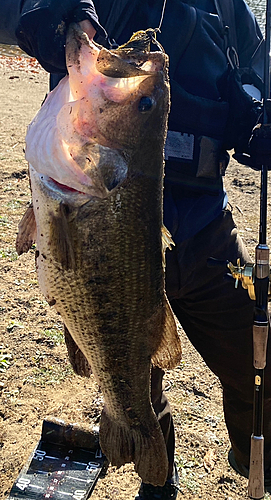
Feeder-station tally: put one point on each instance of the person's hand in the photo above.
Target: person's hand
(43, 25)
(259, 148)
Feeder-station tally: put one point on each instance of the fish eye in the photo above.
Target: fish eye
(145, 104)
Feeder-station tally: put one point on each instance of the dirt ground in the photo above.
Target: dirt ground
(36, 380)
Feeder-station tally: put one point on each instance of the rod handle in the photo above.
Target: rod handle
(256, 470)
(260, 337)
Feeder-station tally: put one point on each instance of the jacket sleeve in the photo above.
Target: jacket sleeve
(249, 38)
(42, 28)
(9, 18)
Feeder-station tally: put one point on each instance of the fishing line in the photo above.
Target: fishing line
(143, 38)
(162, 17)
(158, 30)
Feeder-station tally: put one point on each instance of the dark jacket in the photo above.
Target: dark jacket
(9, 18)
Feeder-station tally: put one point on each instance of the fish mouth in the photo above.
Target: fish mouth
(104, 168)
(73, 138)
(63, 187)
(56, 190)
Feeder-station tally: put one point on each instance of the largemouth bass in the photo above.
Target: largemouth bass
(95, 153)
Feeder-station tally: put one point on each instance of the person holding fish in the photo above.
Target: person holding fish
(204, 123)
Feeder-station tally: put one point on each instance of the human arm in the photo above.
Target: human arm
(9, 18)
(43, 24)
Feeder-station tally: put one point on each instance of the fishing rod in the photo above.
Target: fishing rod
(261, 320)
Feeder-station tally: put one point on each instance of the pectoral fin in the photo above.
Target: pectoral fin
(27, 232)
(167, 242)
(169, 351)
(77, 359)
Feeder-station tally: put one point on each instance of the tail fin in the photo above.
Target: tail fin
(122, 444)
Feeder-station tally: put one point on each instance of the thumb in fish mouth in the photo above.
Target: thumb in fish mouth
(87, 27)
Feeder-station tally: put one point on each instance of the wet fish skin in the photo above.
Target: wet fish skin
(99, 258)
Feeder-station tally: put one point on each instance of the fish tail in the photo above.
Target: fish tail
(123, 444)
